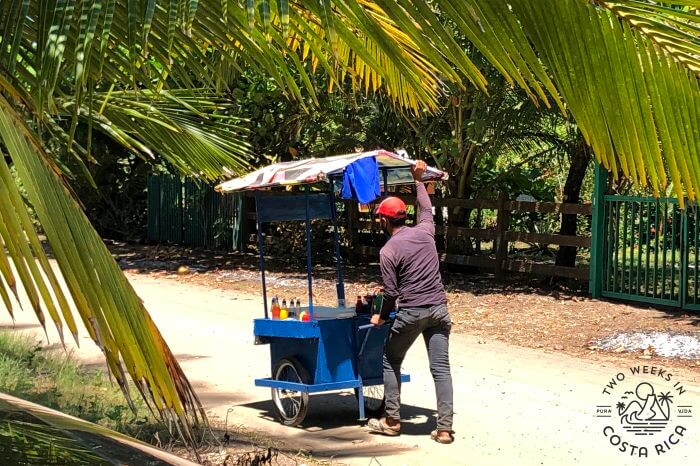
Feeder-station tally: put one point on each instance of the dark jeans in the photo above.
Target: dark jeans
(435, 324)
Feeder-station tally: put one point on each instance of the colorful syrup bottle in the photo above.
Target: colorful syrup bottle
(293, 311)
(284, 311)
(275, 308)
(304, 315)
(359, 305)
(378, 302)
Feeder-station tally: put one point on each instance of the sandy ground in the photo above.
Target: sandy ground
(513, 405)
(526, 311)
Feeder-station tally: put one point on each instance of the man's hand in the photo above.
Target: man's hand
(418, 170)
(376, 320)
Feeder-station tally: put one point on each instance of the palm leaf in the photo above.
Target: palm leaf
(630, 118)
(192, 130)
(673, 26)
(284, 16)
(115, 317)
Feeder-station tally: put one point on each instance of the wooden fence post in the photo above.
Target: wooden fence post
(502, 220)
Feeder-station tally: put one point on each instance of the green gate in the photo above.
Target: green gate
(164, 208)
(190, 212)
(645, 249)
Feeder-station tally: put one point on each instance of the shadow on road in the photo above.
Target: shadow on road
(331, 428)
(328, 412)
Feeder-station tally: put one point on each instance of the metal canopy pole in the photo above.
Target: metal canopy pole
(261, 247)
(340, 286)
(308, 253)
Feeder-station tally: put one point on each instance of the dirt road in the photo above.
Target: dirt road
(513, 405)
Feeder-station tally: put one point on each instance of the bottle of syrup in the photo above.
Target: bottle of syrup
(284, 311)
(293, 311)
(359, 305)
(275, 308)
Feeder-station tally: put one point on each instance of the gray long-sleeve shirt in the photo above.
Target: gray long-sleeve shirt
(410, 264)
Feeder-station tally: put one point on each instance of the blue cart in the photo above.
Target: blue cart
(336, 349)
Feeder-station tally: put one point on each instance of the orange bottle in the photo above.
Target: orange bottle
(275, 309)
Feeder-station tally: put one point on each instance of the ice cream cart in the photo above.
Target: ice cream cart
(329, 348)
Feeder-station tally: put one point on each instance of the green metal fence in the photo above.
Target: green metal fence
(645, 249)
(643, 252)
(691, 297)
(190, 212)
(164, 208)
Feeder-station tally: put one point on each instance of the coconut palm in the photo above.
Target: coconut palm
(665, 401)
(153, 75)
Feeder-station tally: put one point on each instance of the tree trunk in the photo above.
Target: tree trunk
(580, 157)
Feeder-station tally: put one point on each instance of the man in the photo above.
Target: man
(411, 274)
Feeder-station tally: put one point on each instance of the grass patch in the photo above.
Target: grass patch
(54, 379)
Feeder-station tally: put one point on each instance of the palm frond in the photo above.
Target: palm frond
(673, 26)
(114, 316)
(634, 104)
(192, 129)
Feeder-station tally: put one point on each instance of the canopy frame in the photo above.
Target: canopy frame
(289, 206)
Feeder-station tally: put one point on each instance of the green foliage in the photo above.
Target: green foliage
(496, 143)
(280, 129)
(117, 208)
(54, 379)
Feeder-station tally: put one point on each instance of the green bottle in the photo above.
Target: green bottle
(378, 302)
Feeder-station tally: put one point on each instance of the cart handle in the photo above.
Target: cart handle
(367, 327)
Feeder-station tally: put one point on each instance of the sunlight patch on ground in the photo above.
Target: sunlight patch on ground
(666, 344)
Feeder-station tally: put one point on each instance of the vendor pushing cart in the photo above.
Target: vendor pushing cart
(315, 348)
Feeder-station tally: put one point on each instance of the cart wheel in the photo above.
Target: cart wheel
(290, 406)
(374, 399)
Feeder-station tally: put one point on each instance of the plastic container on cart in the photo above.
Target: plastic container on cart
(322, 312)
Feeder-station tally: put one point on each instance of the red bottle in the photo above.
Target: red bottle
(275, 309)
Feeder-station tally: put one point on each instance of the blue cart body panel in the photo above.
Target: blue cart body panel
(335, 352)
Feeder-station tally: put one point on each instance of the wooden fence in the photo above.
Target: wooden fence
(191, 213)
(359, 224)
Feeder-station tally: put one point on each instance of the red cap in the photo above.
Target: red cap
(391, 207)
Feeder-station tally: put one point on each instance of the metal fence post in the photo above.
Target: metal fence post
(595, 285)
(685, 246)
(153, 208)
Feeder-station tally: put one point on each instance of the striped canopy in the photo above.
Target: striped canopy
(310, 171)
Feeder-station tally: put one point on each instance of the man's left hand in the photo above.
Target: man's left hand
(418, 170)
(376, 320)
